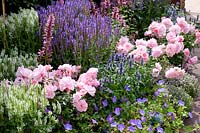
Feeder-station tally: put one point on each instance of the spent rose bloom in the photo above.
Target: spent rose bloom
(67, 83)
(193, 60)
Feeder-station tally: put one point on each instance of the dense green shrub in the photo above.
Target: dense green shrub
(22, 109)
(10, 63)
(21, 31)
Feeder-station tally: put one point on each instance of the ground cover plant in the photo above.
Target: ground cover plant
(92, 76)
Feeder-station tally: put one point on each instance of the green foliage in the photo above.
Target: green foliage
(21, 31)
(22, 109)
(140, 15)
(10, 63)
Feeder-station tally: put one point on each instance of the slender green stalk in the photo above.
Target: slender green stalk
(4, 23)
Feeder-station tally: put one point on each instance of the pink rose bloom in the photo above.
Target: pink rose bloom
(66, 69)
(193, 60)
(175, 28)
(152, 43)
(197, 34)
(123, 46)
(157, 51)
(171, 37)
(81, 105)
(140, 54)
(171, 49)
(175, 73)
(158, 29)
(179, 47)
(67, 83)
(141, 42)
(192, 28)
(91, 90)
(167, 22)
(48, 67)
(183, 24)
(40, 73)
(148, 33)
(24, 73)
(186, 52)
(84, 89)
(180, 38)
(156, 70)
(76, 97)
(158, 66)
(50, 91)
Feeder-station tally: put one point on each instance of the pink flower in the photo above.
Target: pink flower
(156, 70)
(84, 89)
(66, 69)
(179, 47)
(197, 34)
(81, 105)
(23, 74)
(175, 73)
(171, 37)
(141, 42)
(185, 27)
(157, 51)
(158, 29)
(123, 46)
(40, 73)
(186, 52)
(175, 28)
(67, 83)
(193, 60)
(140, 54)
(148, 33)
(167, 22)
(180, 38)
(76, 97)
(171, 49)
(152, 43)
(50, 91)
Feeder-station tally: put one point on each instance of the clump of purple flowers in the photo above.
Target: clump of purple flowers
(80, 38)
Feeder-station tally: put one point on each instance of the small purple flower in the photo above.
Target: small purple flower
(136, 123)
(160, 130)
(165, 105)
(96, 108)
(180, 103)
(131, 129)
(190, 115)
(172, 115)
(117, 111)
(114, 124)
(142, 100)
(105, 103)
(94, 121)
(127, 88)
(142, 112)
(121, 127)
(47, 110)
(68, 126)
(161, 90)
(150, 128)
(114, 99)
(143, 119)
(151, 114)
(160, 82)
(110, 119)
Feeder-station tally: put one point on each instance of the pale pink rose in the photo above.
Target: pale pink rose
(145, 57)
(158, 29)
(39, 73)
(76, 97)
(183, 24)
(175, 73)
(175, 28)
(179, 47)
(141, 42)
(148, 33)
(91, 90)
(66, 69)
(123, 46)
(152, 43)
(50, 91)
(67, 83)
(197, 34)
(170, 49)
(186, 52)
(171, 37)
(193, 60)
(192, 28)
(81, 105)
(140, 54)
(48, 67)
(167, 22)
(24, 73)
(157, 51)
(155, 72)
(180, 38)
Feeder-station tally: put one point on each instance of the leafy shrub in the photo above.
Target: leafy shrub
(21, 31)
(79, 38)
(139, 15)
(189, 84)
(10, 63)
(22, 108)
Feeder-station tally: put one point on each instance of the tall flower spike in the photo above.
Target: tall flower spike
(45, 54)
